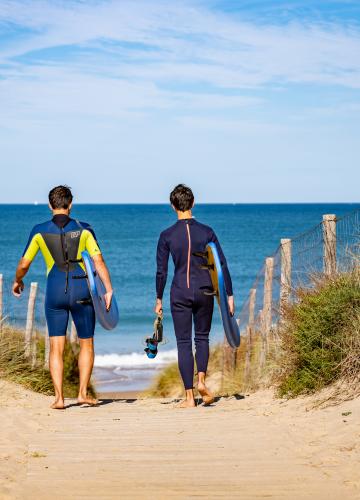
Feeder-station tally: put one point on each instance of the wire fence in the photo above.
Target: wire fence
(331, 247)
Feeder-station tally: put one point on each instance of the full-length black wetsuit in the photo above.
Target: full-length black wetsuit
(188, 301)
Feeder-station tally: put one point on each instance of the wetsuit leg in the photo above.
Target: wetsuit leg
(203, 308)
(56, 304)
(84, 319)
(181, 310)
(82, 314)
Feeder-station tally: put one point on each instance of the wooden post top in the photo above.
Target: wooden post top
(327, 217)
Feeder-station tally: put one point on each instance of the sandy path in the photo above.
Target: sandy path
(249, 448)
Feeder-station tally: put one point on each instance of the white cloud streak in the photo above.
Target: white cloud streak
(191, 44)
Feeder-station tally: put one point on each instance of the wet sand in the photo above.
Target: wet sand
(245, 447)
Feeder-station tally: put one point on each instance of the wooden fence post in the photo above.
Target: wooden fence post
(266, 312)
(268, 282)
(73, 334)
(285, 280)
(263, 348)
(73, 337)
(33, 348)
(47, 348)
(250, 333)
(329, 236)
(30, 319)
(1, 301)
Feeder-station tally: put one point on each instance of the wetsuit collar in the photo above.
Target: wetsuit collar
(190, 219)
(61, 220)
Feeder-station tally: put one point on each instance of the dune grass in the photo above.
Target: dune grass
(320, 337)
(168, 382)
(16, 367)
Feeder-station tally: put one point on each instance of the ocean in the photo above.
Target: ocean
(128, 236)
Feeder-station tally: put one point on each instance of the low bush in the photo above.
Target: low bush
(320, 337)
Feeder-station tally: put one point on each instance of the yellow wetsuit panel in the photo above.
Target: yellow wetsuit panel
(87, 242)
(37, 243)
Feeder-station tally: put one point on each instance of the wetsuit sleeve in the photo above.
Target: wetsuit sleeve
(91, 244)
(32, 246)
(162, 260)
(227, 277)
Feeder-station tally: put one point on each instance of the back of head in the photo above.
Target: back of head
(182, 198)
(60, 197)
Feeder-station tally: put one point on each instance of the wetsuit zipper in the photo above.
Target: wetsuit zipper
(189, 255)
(66, 257)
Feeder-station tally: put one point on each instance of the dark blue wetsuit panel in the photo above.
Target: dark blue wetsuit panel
(188, 302)
(59, 304)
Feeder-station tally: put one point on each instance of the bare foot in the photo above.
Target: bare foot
(58, 404)
(187, 403)
(206, 395)
(87, 401)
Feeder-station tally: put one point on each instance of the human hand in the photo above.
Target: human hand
(17, 288)
(108, 297)
(158, 307)
(231, 305)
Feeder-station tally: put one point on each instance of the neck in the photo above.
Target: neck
(184, 215)
(61, 211)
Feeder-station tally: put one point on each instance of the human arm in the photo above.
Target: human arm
(226, 274)
(29, 254)
(162, 259)
(104, 275)
(21, 271)
(92, 247)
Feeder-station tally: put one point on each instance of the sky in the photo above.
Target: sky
(245, 101)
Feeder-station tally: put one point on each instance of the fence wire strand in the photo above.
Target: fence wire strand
(310, 254)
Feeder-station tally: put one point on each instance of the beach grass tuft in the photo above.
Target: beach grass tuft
(320, 337)
(16, 367)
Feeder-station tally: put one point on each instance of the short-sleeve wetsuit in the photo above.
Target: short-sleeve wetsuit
(188, 301)
(61, 241)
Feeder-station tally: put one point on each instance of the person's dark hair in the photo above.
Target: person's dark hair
(60, 197)
(182, 198)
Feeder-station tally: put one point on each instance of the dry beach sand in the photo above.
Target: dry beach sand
(249, 448)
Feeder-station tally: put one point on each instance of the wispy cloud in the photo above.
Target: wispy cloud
(153, 50)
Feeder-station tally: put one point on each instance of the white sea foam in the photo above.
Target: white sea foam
(134, 360)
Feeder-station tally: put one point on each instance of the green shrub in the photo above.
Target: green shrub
(316, 335)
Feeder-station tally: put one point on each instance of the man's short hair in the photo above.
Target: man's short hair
(60, 197)
(182, 198)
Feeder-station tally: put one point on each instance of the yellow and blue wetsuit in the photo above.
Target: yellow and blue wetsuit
(61, 241)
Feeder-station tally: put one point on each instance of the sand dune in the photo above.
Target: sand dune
(256, 447)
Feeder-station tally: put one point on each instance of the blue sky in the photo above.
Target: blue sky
(246, 101)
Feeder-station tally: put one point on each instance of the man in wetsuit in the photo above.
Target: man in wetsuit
(61, 241)
(188, 301)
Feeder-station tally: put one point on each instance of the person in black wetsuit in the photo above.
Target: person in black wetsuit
(61, 241)
(188, 301)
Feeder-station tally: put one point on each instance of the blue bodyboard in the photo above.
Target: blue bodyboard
(107, 319)
(230, 325)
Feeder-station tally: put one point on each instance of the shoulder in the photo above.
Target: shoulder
(80, 224)
(204, 227)
(167, 232)
(43, 227)
(84, 225)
